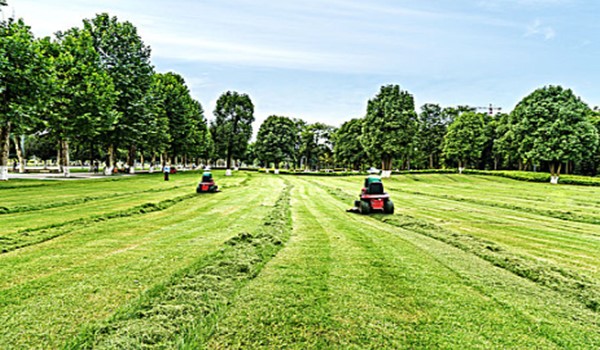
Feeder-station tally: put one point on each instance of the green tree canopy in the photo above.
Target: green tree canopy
(276, 139)
(433, 124)
(553, 126)
(22, 77)
(127, 59)
(316, 141)
(232, 127)
(347, 148)
(390, 125)
(81, 93)
(465, 139)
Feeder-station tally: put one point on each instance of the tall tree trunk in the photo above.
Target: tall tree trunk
(64, 157)
(59, 156)
(386, 165)
(92, 160)
(110, 160)
(555, 171)
(496, 163)
(4, 149)
(142, 159)
(431, 161)
(19, 154)
(131, 158)
(460, 166)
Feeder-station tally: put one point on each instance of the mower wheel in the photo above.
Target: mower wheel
(388, 207)
(365, 207)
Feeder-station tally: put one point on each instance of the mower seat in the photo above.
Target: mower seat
(375, 188)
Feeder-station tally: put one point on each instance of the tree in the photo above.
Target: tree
(158, 136)
(199, 143)
(173, 99)
(232, 128)
(81, 93)
(347, 149)
(433, 124)
(465, 139)
(127, 60)
(21, 79)
(275, 140)
(554, 127)
(389, 126)
(595, 160)
(504, 148)
(315, 141)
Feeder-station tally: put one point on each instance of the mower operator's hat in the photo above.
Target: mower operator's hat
(373, 171)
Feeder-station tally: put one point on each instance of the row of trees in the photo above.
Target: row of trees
(92, 93)
(551, 129)
(93, 89)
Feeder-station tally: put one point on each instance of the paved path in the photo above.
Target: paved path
(59, 176)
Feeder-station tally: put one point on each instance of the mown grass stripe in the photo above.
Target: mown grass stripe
(579, 286)
(184, 311)
(28, 208)
(291, 296)
(28, 237)
(556, 214)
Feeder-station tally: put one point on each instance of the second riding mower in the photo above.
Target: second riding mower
(207, 185)
(373, 198)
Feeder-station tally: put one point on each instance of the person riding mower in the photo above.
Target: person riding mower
(207, 184)
(373, 197)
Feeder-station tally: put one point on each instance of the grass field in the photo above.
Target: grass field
(466, 261)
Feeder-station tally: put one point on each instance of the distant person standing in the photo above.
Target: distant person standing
(166, 171)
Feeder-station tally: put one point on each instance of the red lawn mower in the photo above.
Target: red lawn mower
(207, 184)
(373, 198)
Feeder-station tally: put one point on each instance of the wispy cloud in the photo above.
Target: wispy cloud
(539, 29)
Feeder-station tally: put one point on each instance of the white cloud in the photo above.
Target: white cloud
(538, 29)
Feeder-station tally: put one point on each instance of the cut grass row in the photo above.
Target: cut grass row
(349, 281)
(21, 229)
(568, 244)
(183, 312)
(77, 201)
(569, 281)
(185, 277)
(48, 289)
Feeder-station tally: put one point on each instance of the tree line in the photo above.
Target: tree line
(549, 130)
(92, 93)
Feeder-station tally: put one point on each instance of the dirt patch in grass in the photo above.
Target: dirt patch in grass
(583, 288)
(184, 311)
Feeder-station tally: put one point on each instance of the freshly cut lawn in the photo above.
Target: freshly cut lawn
(522, 217)
(467, 261)
(49, 289)
(348, 281)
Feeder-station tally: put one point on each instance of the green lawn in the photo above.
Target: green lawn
(276, 262)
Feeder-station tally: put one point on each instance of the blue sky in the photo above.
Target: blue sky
(321, 60)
